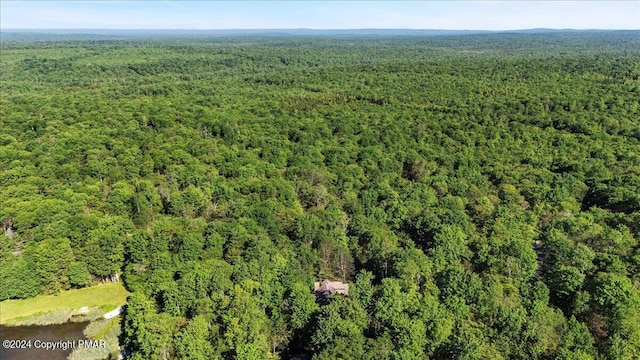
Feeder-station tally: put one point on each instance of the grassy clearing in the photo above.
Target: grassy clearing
(107, 330)
(106, 297)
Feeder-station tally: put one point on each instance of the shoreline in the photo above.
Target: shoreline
(55, 317)
(96, 327)
(86, 303)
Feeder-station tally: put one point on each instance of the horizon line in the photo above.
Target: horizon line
(323, 29)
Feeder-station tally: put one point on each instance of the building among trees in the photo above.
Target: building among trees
(323, 289)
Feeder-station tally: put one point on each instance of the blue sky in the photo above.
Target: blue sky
(474, 15)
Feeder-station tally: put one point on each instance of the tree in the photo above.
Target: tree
(52, 259)
(302, 307)
(577, 343)
(192, 342)
(244, 326)
(78, 275)
(19, 280)
(339, 330)
(104, 250)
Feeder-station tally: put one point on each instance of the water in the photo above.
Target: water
(40, 336)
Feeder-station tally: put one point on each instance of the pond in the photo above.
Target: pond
(38, 338)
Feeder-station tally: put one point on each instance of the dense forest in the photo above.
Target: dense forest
(480, 194)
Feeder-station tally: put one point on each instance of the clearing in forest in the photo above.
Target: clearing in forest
(108, 296)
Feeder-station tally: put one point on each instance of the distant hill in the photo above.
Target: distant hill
(114, 34)
(226, 32)
(235, 32)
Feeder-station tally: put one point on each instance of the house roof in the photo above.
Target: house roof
(327, 287)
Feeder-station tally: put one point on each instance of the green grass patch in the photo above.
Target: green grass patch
(105, 297)
(103, 329)
(98, 329)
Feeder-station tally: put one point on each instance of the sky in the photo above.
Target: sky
(450, 15)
